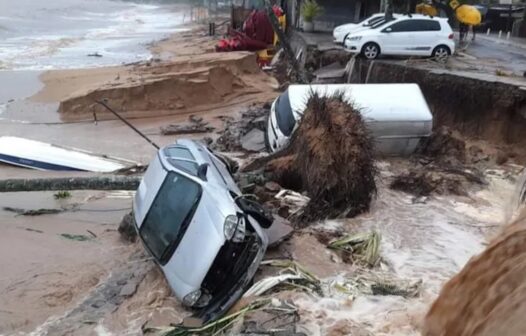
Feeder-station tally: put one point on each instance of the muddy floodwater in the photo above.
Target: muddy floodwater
(70, 272)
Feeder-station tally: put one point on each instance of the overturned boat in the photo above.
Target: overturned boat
(43, 156)
(396, 114)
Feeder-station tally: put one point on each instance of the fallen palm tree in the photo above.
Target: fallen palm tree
(218, 327)
(364, 247)
(330, 157)
(292, 275)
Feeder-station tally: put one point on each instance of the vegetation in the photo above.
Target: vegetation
(62, 194)
(310, 9)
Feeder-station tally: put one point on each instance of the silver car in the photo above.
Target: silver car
(193, 220)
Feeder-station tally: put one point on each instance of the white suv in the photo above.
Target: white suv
(415, 35)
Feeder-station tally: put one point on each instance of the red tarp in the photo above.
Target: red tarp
(257, 33)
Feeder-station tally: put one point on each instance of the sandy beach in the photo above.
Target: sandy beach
(56, 106)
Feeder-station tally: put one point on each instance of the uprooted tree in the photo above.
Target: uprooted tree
(330, 157)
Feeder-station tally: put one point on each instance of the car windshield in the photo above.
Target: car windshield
(379, 23)
(284, 115)
(169, 215)
(373, 21)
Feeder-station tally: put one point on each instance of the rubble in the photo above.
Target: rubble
(127, 228)
(253, 141)
(194, 125)
(246, 133)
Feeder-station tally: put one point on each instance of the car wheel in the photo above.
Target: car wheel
(344, 38)
(441, 53)
(257, 211)
(371, 50)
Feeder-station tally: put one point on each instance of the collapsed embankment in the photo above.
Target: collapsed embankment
(173, 87)
(478, 108)
(487, 296)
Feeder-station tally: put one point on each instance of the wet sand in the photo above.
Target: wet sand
(51, 284)
(44, 273)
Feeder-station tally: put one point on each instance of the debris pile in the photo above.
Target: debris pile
(424, 180)
(330, 156)
(425, 183)
(444, 145)
(194, 125)
(245, 133)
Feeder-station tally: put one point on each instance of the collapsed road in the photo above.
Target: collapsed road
(372, 269)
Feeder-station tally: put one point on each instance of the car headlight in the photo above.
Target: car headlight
(230, 226)
(192, 298)
(197, 299)
(235, 228)
(354, 38)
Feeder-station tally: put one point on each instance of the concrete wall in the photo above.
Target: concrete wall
(479, 108)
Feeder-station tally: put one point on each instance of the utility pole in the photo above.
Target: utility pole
(284, 43)
(388, 10)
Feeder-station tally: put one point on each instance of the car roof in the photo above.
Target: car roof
(404, 17)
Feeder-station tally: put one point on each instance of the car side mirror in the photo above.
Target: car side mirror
(201, 171)
(388, 30)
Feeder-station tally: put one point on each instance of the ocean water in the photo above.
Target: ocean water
(59, 34)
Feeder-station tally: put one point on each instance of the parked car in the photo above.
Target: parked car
(415, 35)
(396, 114)
(194, 222)
(340, 32)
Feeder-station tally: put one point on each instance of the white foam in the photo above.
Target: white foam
(120, 36)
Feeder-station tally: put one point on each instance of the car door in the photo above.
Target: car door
(426, 37)
(395, 38)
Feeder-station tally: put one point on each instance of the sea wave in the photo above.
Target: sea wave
(61, 34)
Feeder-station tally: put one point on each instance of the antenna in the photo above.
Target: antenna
(103, 103)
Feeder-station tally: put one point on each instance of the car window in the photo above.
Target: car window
(178, 152)
(379, 23)
(373, 21)
(188, 166)
(415, 26)
(169, 215)
(284, 115)
(429, 25)
(404, 26)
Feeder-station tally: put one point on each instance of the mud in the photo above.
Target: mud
(45, 274)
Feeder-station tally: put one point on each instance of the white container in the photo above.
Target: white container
(396, 114)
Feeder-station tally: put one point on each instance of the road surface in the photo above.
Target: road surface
(503, 55)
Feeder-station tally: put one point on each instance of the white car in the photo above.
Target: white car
(415, 35)
(340, 33)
